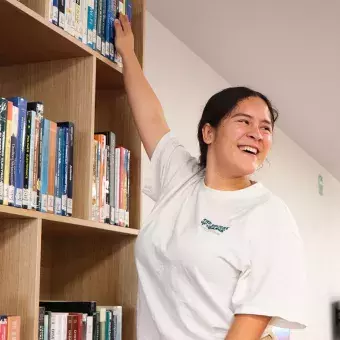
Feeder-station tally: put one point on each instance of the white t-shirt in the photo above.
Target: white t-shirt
(204, 255)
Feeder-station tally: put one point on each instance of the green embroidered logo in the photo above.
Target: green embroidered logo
(210, 226)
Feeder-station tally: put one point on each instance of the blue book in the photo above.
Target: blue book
(108, 20)
(44, 164)
(103, 23)
(67, 168)
(64, 166)
(55, 12)
(21, 104)
(95, 14)
(129, 9)
(31, 158)
(112, 31)
(90, 23)
(58, 172)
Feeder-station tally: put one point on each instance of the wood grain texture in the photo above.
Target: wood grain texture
(93, 268)
(20, 249)
(67, 89)
(138, 27)
(113, 112)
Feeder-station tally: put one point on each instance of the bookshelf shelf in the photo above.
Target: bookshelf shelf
(45, 256)
(64, 224)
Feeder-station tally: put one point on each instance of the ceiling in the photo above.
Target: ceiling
(290, 50)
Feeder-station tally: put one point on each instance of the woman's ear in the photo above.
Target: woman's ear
(208, 133)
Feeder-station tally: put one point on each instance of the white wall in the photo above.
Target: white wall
(183, 82)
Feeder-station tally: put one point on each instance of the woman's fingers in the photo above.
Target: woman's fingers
(125, 23)
(118, 27)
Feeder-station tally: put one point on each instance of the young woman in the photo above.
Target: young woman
(220, 256)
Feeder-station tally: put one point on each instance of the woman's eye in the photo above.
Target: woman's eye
(267, 128)
(244, 121)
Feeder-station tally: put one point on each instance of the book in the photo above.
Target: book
(3, 122)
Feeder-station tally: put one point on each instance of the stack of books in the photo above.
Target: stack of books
(91, 21)
(110, 181)
(79, 320)
(36, 158)
(10, 327)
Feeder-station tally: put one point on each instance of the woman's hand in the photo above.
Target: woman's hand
(124, 40)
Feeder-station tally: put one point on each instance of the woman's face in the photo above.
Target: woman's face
(242, 140)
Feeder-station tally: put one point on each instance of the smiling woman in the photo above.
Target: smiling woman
(220, 256)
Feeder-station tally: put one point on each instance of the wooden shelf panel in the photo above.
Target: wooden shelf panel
(44, 41)
(64, 224)
(20, 249)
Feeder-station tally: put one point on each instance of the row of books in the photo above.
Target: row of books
(91, 21)
(36, 158)
(79, 320)
(10, 326)
(110, 181)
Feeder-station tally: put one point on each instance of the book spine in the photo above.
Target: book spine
(118, 313)
(64, 172)
(84, 4)
(36, 161)
(14, 136)
(70, 171)
(112, 30)
(121, 186)
(111, 170)
(107, 182)
(121, 9)
(108, 322)
(57, 180)
(44, 164)
(99, 153)
(41, 323)
(77, 18)
(31, 160)
(127, 212)
(89, 328)
(129, 10)
(104, 13)
(117, 181)
(26, 198)
(69, 25)
(8, 150)
(3, 327)
(108, 19)
(20, 152)
(3, 123)
(13, 330)
(90, 21)
(61, 9)
(51, 167)
(73, 17)
(95, 18)
(94, 180)
(50, 11)
(55, 12)
(99, 25)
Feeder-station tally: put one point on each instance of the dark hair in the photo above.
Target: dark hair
(220, 105)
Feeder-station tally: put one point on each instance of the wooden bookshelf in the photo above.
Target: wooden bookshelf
(44, 256)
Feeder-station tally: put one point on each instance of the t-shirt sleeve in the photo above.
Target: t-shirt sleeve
(171, 165)
(274, 283)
